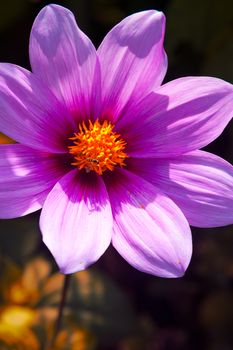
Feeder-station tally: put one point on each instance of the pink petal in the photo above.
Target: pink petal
(200, 183)
(76, 221)
(65, 59)
(183, 115)
(30, 113)
(26, 178)
(132, 60)
(150, 231)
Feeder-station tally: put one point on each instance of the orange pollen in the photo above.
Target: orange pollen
(97, 148)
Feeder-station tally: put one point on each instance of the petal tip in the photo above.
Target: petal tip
(176, 270)
(180, 269)
(67, 269)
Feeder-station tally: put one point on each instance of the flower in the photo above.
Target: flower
(108, 153)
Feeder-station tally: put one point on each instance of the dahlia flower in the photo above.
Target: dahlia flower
(109, 154)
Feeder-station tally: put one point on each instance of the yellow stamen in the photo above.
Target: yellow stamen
(97, 148)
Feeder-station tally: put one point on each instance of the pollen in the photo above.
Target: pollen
(97, 147)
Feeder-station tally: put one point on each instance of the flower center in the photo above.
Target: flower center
(97, 148)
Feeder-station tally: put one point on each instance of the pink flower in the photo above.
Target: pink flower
(106, 152)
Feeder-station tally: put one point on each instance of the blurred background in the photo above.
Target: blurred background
(112, 306)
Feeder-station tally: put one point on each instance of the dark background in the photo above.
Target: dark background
(113, 305)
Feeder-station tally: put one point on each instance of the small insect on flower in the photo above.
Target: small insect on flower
(94, 162)
(107, 152)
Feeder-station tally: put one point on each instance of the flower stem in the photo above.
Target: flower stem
(58, 321)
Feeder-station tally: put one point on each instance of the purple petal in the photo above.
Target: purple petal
(76, 221)
(30, 113)
(65, 59)
(183, 115)
(26, 178)
(150, 231)
(132, 60)
(200, 183)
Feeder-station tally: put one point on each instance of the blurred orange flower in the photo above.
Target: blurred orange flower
(5, 139)
(14, 329)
